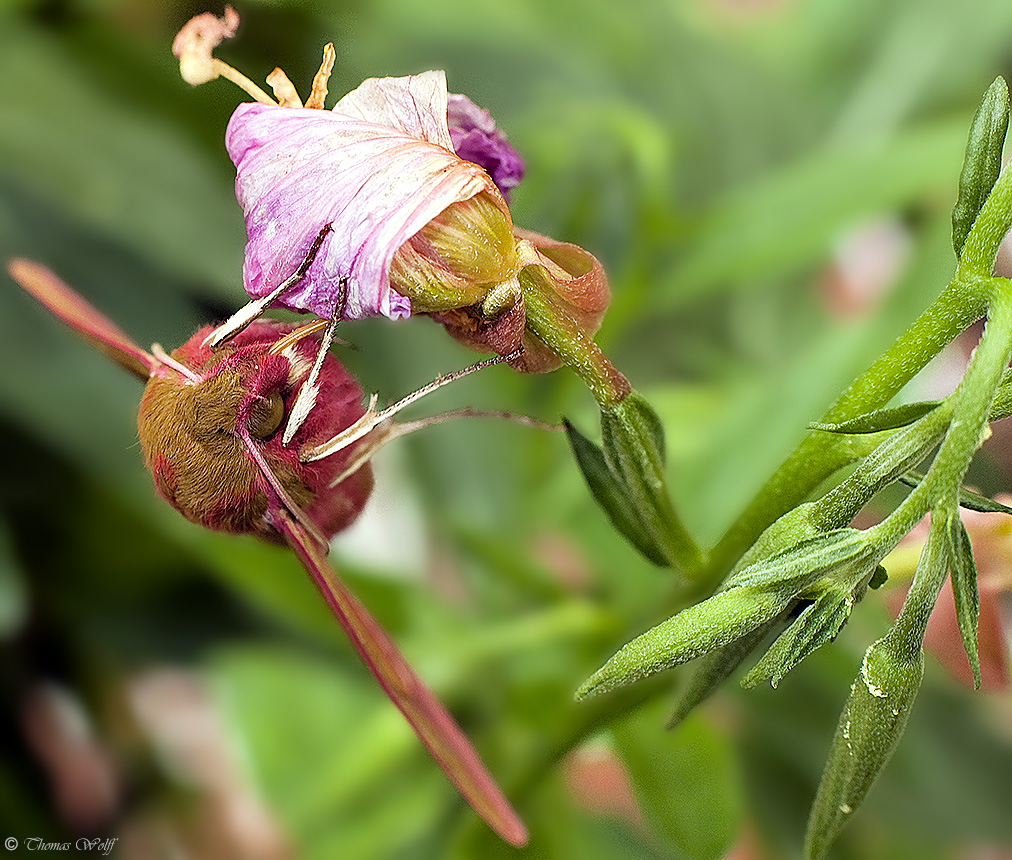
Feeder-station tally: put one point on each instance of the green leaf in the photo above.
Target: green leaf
(967, 498)
(963, 572)
(880, 419)
(611, 494)
(982, 162)
(632, 441)
(717, 666)
(818, 624)
(750, 598)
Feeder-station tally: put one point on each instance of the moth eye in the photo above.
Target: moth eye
(266, 415)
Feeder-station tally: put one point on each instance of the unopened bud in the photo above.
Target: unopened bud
(871, 726)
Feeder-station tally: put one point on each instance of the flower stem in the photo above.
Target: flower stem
(554, 325)
(971, 405)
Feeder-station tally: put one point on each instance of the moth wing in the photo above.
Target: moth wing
(80, 315)
(436, 729)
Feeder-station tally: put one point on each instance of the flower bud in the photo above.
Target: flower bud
(870, 727)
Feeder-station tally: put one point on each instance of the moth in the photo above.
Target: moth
(210, 425)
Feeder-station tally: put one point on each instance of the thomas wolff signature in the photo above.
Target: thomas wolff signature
(36, 843)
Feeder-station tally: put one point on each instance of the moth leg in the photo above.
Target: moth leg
(373, 418)
(305, 400)
(249, 312)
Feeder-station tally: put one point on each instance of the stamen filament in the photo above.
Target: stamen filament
(241, 81)
(319, 93)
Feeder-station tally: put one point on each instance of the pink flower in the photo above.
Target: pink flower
(476, 138)
(378, 167)
(392, 203)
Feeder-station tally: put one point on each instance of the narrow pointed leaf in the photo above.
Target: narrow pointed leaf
(982, 161)
(963, 572)
(818, 624)
(967, 498)
(718, 665)
(881, 419)
(632, 441)
(752, 597)
(436, 729)
(612, 496)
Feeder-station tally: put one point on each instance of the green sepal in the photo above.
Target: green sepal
(870, 727)
(982, 161)
(963, 573)
(632, 442)
(881, 419)
(751, 597)
(718, 665)
(612, 495)
(817, 624)
(967, 498)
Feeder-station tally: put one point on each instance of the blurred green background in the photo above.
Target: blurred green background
(769, 185)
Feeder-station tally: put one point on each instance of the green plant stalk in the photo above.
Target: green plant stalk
(551, 323)
(971, 404)
(875, 716)
(819, 455)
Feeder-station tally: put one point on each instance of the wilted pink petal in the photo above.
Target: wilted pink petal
(415, 105)
(198, 38)
(476, 138)
(378, 168)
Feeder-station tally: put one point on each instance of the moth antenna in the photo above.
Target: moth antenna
(286, 500)
(164, 358)
(250, 311)
(386, 433)
(372, 419)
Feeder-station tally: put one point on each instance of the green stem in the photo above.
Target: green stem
(971, 406)
(912, 623)
(552, 323)
(821, 454)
